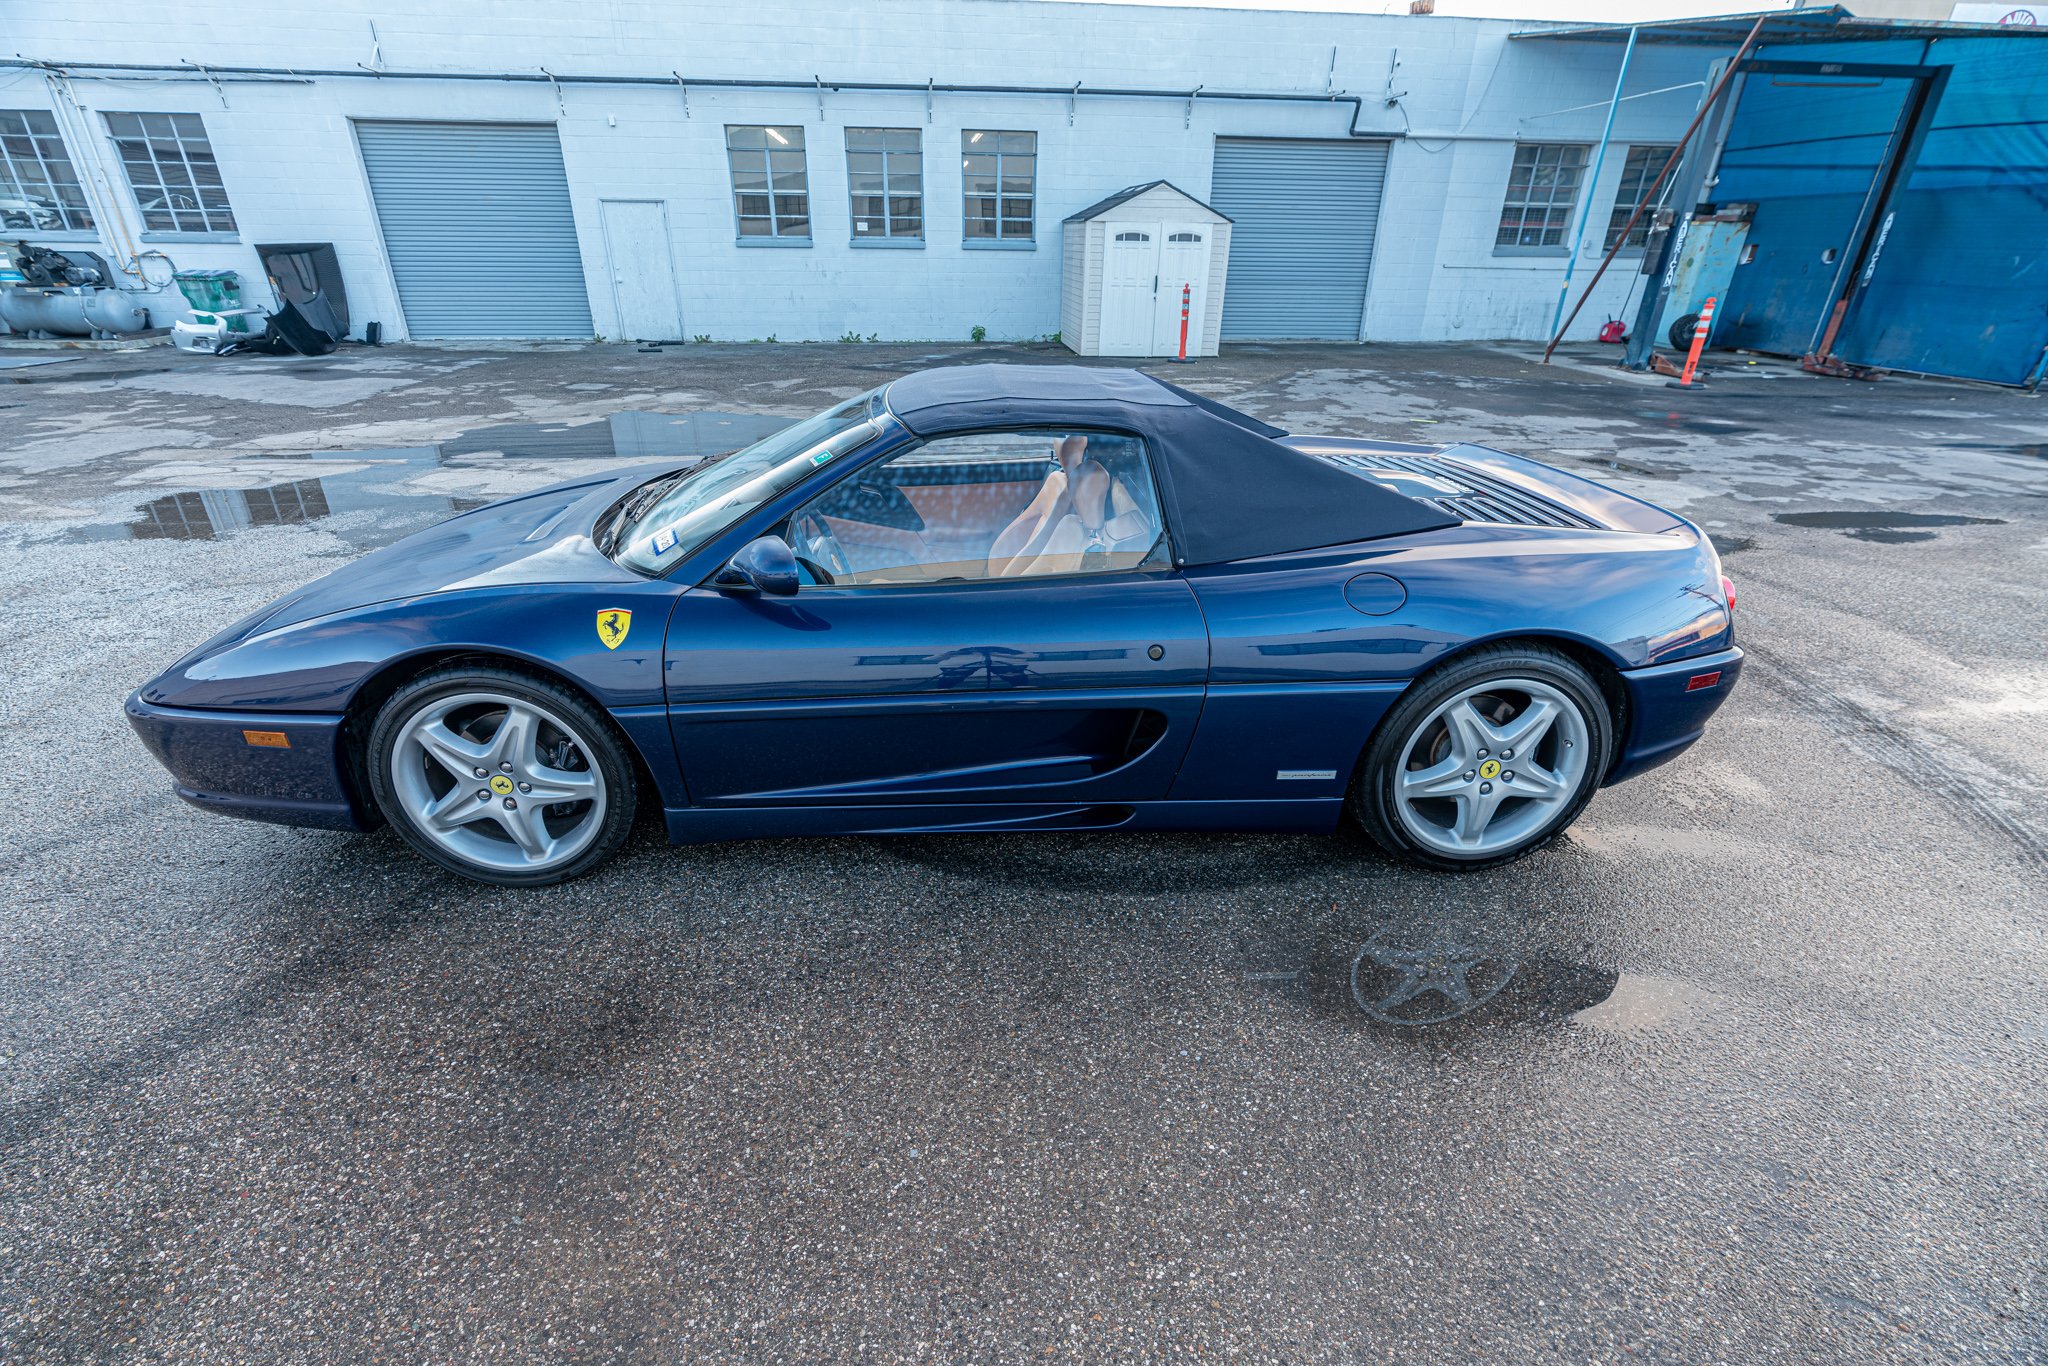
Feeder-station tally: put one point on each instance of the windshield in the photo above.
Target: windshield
(714, 496)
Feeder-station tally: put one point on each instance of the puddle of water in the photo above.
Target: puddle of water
(1883, 528)
(2031, 451)
(317, 372)
(1883, 537)
(1410, 982)
(634, 435)
(1692, 422)
(1732, 545)
(1640, 471)
(1879, 521)
(1397, 983)
(377, 489)
(1642, 1003)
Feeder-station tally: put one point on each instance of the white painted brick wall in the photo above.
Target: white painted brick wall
(1466, 94)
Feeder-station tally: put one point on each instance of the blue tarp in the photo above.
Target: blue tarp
(1957, 281)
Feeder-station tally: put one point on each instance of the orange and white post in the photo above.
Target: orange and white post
(1186, 290)
(1699, 344)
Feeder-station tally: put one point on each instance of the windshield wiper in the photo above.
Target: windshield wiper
(637, 502)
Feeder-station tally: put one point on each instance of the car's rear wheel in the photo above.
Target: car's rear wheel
(501, 777)
(1485, 760)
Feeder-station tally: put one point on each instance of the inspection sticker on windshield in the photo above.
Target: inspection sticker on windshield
(664, 540)
(822, 456)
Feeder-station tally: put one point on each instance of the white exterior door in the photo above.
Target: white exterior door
(1183, 261)
(1130, 277)
(643, 269)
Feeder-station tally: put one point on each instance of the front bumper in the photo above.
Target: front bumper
(217, 766)
(1668, 709)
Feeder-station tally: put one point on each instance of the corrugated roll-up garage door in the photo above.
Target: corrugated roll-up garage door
(1301, 250)
(477, 223)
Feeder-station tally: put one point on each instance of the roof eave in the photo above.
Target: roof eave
(1831, 25)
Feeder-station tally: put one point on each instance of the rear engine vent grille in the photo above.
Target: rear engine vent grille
(1479, 497)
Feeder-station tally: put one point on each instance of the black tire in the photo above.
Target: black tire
(601, 748)
(1372, 793)
(1680, 335)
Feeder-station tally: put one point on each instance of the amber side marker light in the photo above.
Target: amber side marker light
(267, 739)
(1699, 681)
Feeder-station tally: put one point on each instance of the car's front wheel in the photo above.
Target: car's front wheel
(501, 777)
(1485, 760)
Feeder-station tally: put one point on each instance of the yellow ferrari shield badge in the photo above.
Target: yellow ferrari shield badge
(501, 785)
(1490, 769)
(612, 625)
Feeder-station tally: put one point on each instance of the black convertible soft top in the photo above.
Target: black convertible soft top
(1232, 492)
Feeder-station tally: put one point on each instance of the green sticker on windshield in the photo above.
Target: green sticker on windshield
(821, 457)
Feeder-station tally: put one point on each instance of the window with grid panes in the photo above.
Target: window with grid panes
(885, 181)
(1637, 175)
(770, 187)
(39, 189)
(999, 176)
(1542, 188)
(170, 168)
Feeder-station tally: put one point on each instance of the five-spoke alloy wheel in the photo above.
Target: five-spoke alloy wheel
(501, 777)
(1485, 760)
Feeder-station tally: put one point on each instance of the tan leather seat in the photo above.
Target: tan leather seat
(1102, 527)
(1047, 506)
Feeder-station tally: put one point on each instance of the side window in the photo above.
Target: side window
(993, 505)
(999, 184)
(1637, 175)
(171, 169)
(1543, 185)
(771, 193)
(39, 188)
(885, 177)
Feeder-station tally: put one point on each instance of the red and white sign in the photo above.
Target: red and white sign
(2000, 12)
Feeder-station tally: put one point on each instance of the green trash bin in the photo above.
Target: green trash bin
(210, 291)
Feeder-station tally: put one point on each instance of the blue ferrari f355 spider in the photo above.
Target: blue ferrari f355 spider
(984, 598)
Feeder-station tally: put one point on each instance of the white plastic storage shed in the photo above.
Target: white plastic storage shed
(1125, 263)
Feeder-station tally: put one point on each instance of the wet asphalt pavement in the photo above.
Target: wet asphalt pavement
(1750, 1067)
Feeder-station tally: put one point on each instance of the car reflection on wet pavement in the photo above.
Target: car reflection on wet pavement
(1411, 980)
(1406, 979)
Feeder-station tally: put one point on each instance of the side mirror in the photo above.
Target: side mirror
(766, 565)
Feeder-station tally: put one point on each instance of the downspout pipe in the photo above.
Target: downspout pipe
(1564, 289)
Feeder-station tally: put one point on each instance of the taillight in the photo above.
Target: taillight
(1728, 591)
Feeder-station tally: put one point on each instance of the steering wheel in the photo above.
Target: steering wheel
(818, 550)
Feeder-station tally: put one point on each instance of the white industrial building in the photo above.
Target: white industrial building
(810, 170)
